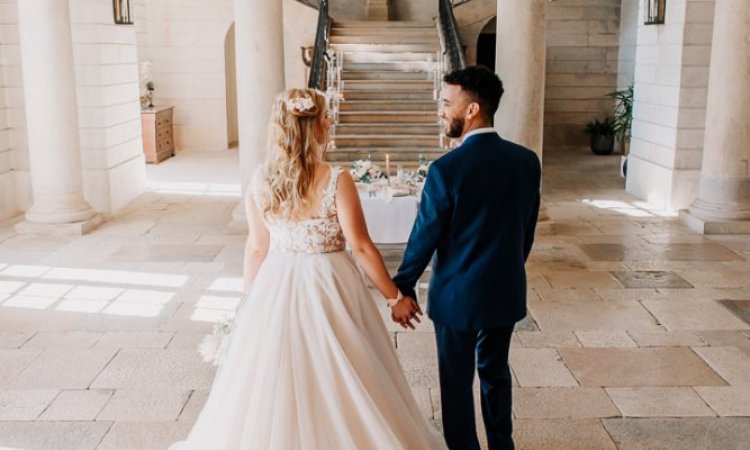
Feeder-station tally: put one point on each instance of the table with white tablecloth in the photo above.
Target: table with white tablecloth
(389, 220)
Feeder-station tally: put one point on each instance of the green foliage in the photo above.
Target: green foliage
(601, 127)
(623, 117)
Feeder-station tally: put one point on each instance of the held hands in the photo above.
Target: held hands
(406, 310)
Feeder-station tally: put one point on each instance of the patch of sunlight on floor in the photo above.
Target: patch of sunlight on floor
(82, 306)
(46, 290)
(211, 308)
(631, 209)
(223, 284)
(118, 277)
(22, 301)
(197, 189)
(8, 287)
(24, 271)
(94, 293)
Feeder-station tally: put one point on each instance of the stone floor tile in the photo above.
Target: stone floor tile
(24, 404)
(740, 308)
(165, 369)
(665, 338)
(418, 356)
(62, 340)
(547, 339)
(659, 402)
(52, 435)
(693, 252)
(605, 338)
(723, 338)
(136, 340)
(14, 340)
(571, 294)
(671, 238)
(693, 315)
(13, 362)
(634, 294)
(540, 367)
(63, 369)
(731, 363)
(541, 434)
(626, 367)
(581, 279)
(144, 435)
(194, 406)
(424, 400)
(592, 315)
(562, 403)
(77, 405)
(679, 433)
(186, 340)
(727, 400)
(615, 252)
(165, 253)
(715, 278)
(654, 279)
(137, 405)
(698, 294)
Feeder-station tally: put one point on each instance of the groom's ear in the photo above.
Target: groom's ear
(473, 110)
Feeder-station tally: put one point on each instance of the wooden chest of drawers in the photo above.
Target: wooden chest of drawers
(158, 139)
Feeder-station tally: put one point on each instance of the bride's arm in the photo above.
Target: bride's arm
(355, 231)
(258, 240)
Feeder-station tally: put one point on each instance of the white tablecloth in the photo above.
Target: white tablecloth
(389, 221)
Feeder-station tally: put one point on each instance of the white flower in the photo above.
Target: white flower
(300, 103)
(214, 346)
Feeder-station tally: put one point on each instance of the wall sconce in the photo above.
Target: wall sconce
(655, 11)
(123, 14)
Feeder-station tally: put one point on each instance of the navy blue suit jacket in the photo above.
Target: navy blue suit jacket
(477, 217)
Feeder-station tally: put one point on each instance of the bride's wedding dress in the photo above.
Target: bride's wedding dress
(310, 365)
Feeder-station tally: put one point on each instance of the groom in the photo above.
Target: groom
(477, 215)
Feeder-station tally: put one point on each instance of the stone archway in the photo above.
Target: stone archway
(486, 44)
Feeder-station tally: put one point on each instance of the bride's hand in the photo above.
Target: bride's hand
(404, 311)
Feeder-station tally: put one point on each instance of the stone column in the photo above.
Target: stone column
(52, 121)
(723, 203)
(258, 32)
(521, 63)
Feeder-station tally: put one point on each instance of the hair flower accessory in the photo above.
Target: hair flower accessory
(300, 103)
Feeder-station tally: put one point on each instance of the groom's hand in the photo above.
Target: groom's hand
(406, 310)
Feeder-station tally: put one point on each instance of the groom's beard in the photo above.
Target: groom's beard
(455, 128)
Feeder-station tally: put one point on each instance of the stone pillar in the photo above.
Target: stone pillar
(723, 203)
(258, 33)
(52, 121)
(521, 63)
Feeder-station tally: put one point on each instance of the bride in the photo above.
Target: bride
(310, 365)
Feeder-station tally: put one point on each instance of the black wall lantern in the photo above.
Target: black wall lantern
(655, 11)
(123, 13)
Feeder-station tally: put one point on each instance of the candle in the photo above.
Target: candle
(388, 167)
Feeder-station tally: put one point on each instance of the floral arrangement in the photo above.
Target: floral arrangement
(213, 347)
(424, 166)
(364, 171)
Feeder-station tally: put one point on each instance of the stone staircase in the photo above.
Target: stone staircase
(387, 81)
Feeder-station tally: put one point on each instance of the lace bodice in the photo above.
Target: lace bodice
(316, 235)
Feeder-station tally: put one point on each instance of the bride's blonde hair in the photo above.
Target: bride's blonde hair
(294, 153)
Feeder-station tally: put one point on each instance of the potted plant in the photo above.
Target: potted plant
(623, 119)
(602, 134)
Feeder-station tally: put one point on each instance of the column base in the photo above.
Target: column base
(713, 226)
(60, 229)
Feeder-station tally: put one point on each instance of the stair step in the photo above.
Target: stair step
(418, 75)
(384, 31)
(382, 24)
(394, 66)
(345, 129)
(388, 105)
(369, 117)
(388, 95)
(388, 48)
(384, 57)
(363, 140)
(387, 85)
(384, 39)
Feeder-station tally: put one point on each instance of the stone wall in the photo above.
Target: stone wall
(8, 32)
(669, 115)
(185, 45)
(628, 38)
(300, 26)
(582, 52)
(417, 10)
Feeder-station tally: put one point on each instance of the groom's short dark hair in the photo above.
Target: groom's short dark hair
(482, 84)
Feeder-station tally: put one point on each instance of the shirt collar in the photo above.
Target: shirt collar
(478, 131)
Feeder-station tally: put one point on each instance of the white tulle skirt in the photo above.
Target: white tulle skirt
(310, 366)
